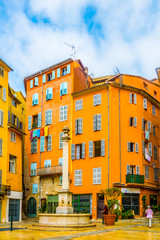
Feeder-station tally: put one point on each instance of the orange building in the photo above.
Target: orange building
(114, 123)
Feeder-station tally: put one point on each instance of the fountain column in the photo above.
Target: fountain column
(65, 196)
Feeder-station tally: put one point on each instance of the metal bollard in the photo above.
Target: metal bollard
(102, 220)
(11, 224)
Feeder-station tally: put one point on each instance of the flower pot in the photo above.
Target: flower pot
(109, 220)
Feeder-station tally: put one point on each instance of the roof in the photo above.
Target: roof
(10, 69)
(101, 79)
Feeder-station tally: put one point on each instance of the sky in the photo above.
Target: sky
(107, 34)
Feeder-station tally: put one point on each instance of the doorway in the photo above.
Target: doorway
(32, 207)
(100, 205)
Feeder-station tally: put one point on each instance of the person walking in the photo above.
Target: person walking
(149, 215)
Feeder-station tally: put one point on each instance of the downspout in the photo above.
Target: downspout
(121, 82)
(108, 135)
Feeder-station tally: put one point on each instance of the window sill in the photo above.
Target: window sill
(33, 175)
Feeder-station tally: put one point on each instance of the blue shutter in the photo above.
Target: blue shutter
(36, 99)
(53, 74)
(36, 81)
(68, 69)
(46, 94)
(61, 89)
(33, 97)
(29, 122)
(31, 84)
(58, 72)
(44, 78)
(50, 93)
(42, 144)
(65, 88)
(39, 120)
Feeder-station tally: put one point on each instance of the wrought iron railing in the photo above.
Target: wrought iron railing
(5, 190)
(49, 170)
(133, 178)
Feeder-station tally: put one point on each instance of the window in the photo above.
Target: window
(137, 170)
(97, 148)
(156, 174)
(49, 143)
(96, 99)
(1, 143)
(133, 121)
(136, 148)
(78, 177)
(33, 169)
(12, 137)
(58, 72)
(47, 163)
(49, 93)
(35, 99)
(64, 71)
(60, 140)
(1, 72)
(34, 146)
(36, 81)
(60, 180)
(29, 122)
(153, 110)
(13, 119)
(48, 117)
(155, 94)
(49, 77)
(31, 84)
(78, 126)
(97, 122)
(12, 164)
(21, 125)
(154, 130)
(96, 175)
(145, 86)
(35, 188)
(1, 118)
(4, 94)
(131, 169)
(60, 161)
(14, 103)
(155, 152)
(35, 121)
(63, 88)
(130, 146)
(1, 92)
(79, 104)
(146, 172)
(145, 103)
(63, 113)
(133, 98)
(42, 139)
(144, 124)
(78, 151)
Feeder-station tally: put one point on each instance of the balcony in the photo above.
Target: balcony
(133, 178)
(5, 190)
(49, 170)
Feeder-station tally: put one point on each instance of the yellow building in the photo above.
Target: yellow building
(12, 117)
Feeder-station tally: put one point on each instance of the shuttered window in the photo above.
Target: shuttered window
(1, 118)
(96, 99)
(1, 145)
(12, 137)
(9, 116)
(128, 169)
(29, 122)
(63, 113)
(156, 174)
(149, 126)
(63, 88)
(96, 175)
(33, 169)
(35, 188)
(39, 120)
(155, 152)
(49, 93)
(145, 103)
(42, 139)
(130, 147)
(17, 122)
(44, 78)
(133, 98)
(137, 170)
(150, 149)
(47, 163)
(97, 122)
(34, 146)
(35, 99)
(154, 130)
(143, 146)
(4, 94)
(72, 151)
(146, 172)
(79, 105)
(36, 81)
(153, 110)
(48, 117)
(78, 126)
(60, 140)
(49, 143)
(78, 177)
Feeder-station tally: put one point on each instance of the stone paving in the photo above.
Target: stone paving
(121, 230)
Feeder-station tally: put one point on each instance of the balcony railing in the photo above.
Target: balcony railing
(133, 178)
(5, 190)
(49, 170)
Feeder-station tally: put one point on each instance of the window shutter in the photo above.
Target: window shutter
(149, 126)
(143, 147)
(44, 78)
(90, 148)
(31, 84)
(61, 89)
(60, 140)
(4, 94)
(36, 81)
(29, 122)
(1, 118)
(35, 145)
(47, 163)
(130, 97)
(1, 141)
(98, 121)
(103, 147)
(137, 170)
(80, 123)
(47, 94)
(76, 126)
(49, 144)
(46, 117)
(135, 121)
(135, 99)
(83, 150)
(143, 128)
(0, 176)
(128, 146)
(53, 74)
(98, 99)
(32, 146)
(9, 116)
(68, 69)
(50, 93)
(65, 112)
(17, 122)
(49, 116)
(128, 169)
(39, 120)
(94, 122)
(145, 103)
(94, 100)
(150, 149)
(35, 98)
(73, 151)
(58, 72)
(136, 148)
(65, 84)
(42, 143)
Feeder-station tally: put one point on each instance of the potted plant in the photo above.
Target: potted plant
(111, 198)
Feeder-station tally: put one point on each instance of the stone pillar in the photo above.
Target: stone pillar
(65, 196)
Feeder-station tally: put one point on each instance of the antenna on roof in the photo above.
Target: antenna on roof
(116, 70)
(73, 54)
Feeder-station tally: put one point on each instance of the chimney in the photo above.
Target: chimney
(86, 73)
(158, 73)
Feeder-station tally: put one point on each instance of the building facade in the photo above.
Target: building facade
(12, 118)
(114, 130)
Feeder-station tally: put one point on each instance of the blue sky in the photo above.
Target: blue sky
(108, 33)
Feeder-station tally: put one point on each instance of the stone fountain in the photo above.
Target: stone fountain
(64, 216)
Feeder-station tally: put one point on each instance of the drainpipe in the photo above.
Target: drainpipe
(108, 135)
(121, 82)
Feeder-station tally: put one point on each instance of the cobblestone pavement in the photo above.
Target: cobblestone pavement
(121, 230)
